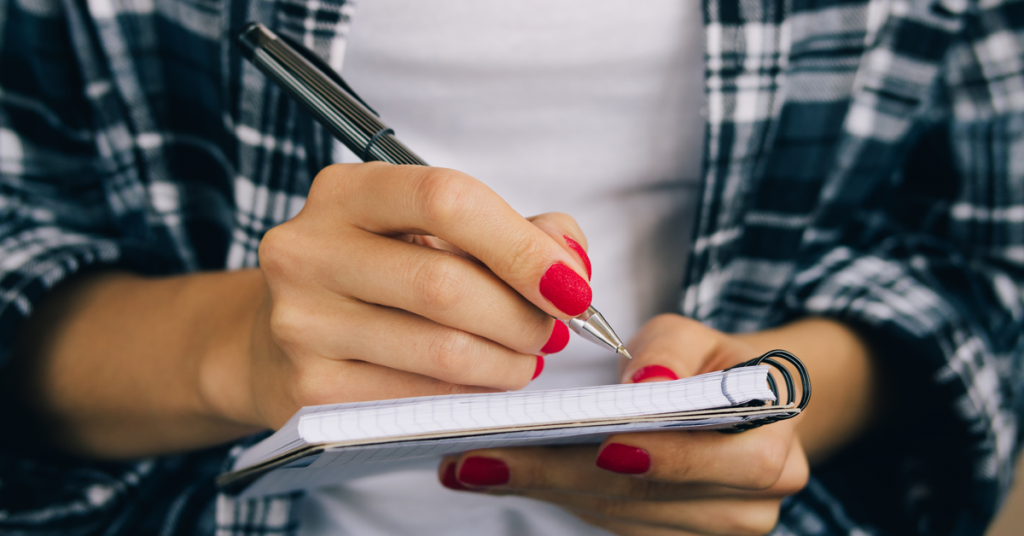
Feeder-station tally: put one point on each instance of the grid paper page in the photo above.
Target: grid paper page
(738, 386)
(442, 414)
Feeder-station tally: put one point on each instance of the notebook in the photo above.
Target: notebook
(325, 445)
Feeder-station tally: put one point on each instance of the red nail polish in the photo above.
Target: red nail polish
(624, 459)
(575, 246)
(654, 371)
(480, 471)
(539, 368)
(565, 289)
(558, 339)
(450, 481)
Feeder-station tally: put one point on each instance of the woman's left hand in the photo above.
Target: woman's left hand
(656, 483)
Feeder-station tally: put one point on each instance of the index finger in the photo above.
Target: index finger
(463, 211)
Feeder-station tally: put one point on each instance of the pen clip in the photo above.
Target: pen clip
(326, 69)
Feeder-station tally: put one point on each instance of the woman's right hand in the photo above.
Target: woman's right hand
(358, 307)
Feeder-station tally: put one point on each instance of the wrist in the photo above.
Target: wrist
(843, 372)
(223, 375)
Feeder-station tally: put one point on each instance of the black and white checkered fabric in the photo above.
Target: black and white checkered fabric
(864, 161)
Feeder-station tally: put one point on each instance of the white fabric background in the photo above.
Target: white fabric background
(588, 107)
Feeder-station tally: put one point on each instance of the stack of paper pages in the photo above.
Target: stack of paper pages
(323, 445)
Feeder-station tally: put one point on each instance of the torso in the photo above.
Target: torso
(591, 108)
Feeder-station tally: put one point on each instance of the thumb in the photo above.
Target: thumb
(670, 347)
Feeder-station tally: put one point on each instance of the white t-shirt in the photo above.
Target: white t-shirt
(587, 107)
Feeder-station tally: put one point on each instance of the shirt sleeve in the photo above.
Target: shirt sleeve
(57, 220)
(938, 293)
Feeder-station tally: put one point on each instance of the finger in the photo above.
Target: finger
(459, 209)
(674, 347)
(713, 516)
(345, 329)
(445, 288)
(753, 460)
(563, 229)
(561, 469)
(573, 470)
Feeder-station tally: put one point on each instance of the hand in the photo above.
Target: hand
(656, 483)
(398, 281)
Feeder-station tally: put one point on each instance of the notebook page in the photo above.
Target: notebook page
(737, 385)
(441, 414)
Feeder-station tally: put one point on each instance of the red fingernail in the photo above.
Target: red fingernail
(539, 368)
(575, 246)
(480, 471)
(449, 479)
(654, 371)
(624, 459)
(558, 339)
(565, 289)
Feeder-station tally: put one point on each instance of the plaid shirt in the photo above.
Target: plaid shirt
(864, 161)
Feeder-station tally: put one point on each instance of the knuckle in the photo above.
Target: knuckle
(327, 187)
(792, 481)
(447, 351)
(327, 175)
(286, 326)
(275, 252)
(322, 181)
(337, 181)
(439, 283)
(768, 464)
(443, 194)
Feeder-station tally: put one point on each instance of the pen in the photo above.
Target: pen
(332, 102)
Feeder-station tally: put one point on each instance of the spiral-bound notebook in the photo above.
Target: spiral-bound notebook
(324, 445)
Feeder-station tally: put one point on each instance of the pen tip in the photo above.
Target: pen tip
(622, 350)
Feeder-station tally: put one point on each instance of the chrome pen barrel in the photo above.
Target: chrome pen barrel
(592, 326)
(323, 97)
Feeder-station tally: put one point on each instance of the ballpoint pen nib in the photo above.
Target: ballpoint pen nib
(592, 326)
